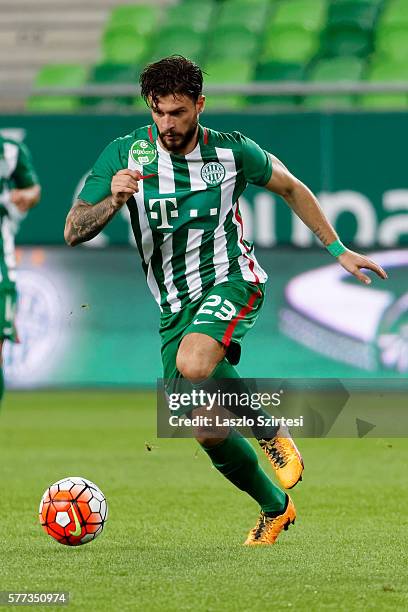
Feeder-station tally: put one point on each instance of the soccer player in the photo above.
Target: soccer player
(19, 191)
(181, 183)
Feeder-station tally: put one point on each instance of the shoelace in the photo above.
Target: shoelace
(278, 454)
(260, 526)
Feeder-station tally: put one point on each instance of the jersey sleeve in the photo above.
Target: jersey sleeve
(256, 162)
(24, 174)
(98, 182)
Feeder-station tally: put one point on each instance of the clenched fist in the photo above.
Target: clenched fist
(124, 184)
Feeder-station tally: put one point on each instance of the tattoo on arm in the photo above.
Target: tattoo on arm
(319, 231)
(85, 220)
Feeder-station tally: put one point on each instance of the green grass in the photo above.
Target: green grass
(174, 536)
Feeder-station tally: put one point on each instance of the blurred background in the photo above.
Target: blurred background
(323, 84)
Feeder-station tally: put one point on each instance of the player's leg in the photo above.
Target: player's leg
(8, 300)
(232, 455)
(276, 442)
(226, 313)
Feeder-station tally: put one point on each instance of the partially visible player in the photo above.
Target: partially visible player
(19, 191)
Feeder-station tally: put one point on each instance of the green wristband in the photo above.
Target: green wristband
(336, 248)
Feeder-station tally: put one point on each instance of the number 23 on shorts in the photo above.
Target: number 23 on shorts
(216, 306)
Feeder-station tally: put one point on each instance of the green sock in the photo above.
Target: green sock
(224, 370)
(237, 460)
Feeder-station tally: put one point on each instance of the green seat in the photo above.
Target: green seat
(361, 13)
(338, 69)
(102, 74)
(233, 42)
(379, 3)
(384, 71)
(347, 40)
(58, 75)
(143, 18)
(113, 73)
(311, 14)
(124, 45)
(180, 41)
(242, 13)
(395, 13)
(392, 42)
(195, 13)
(290, 44)
(254, 5)
(350, 27)
(220, 72)
(278, 71)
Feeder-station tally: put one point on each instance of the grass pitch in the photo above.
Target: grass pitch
(174, 536)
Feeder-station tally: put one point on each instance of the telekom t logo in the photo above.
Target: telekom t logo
(162, 206)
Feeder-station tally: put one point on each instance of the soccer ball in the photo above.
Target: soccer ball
(73, 511)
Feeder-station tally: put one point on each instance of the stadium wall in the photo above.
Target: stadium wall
(355, 162)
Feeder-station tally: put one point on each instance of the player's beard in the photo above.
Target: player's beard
(179, 141)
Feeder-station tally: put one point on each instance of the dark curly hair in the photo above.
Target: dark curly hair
(171, 75)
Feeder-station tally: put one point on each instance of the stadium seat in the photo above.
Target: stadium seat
(350, 28)
(233, 42)
(124, 45)
(311, 14)
(395, 13)
(194, 13)
(220, 72)
(347, 40)
(277, 71)
(181, 40)
(383, 71)
(117, 74)
(242, 13)
(143, 18)
(290, 44)
(362, 13)
(392, 42)
(59, 75)
(338, 69)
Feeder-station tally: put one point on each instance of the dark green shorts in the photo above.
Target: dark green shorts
(225, 312)
(8, 303)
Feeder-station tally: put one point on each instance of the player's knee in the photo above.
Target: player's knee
(197, 356)
(193, 368)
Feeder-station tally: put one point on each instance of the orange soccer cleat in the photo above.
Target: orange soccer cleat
(284, 458)
(269, 527)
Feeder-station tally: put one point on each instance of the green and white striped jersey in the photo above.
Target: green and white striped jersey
(16, 171)
(185, 217)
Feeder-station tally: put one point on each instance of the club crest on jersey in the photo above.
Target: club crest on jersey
(143, 152)
(213, 173)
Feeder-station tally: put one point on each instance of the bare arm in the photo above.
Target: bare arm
(305, 205)
(25, 198)
(85, 221)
